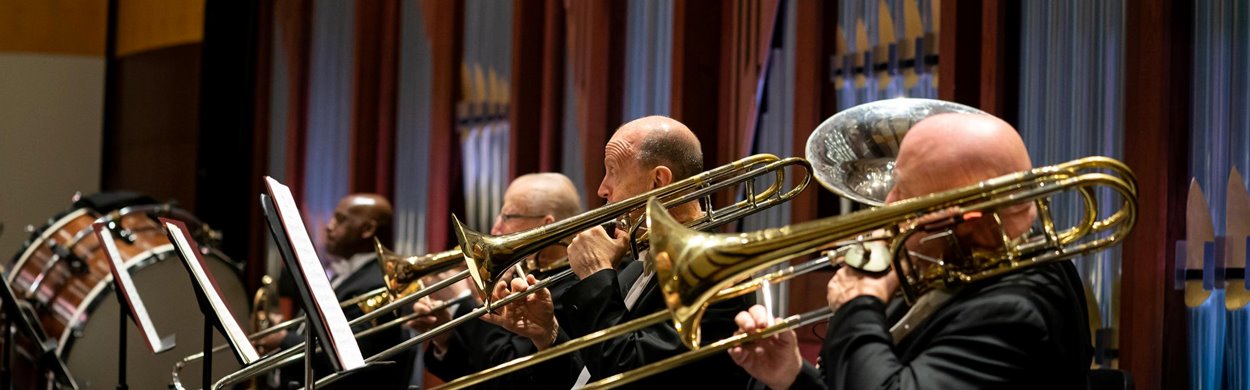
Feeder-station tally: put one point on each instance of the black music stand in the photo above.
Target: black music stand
(216, 314)
(324, 315)
(129, 305)
(19, 315)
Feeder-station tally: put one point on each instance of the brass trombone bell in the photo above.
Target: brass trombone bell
(852, 153)
(403, 274)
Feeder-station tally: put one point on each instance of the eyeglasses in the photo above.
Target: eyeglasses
(511, 217)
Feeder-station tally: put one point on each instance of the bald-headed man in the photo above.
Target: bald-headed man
(1028, 329)
(531, 201)
(354, 271)
(644, 154)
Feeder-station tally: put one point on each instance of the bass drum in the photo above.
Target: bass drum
(62, 272)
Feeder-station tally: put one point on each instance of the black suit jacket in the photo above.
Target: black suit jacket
(598, 302)
(477, 345)
(1026, 330)
(394, 376)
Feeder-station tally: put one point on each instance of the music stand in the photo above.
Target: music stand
(129, 305)
(18, 314)
(320, 304)
(216, 313)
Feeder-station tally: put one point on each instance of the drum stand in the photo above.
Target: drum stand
(18, 317)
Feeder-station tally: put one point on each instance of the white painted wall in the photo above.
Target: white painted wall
(51, 129)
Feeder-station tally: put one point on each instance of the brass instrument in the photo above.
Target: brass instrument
(489, 256)
(696, 269)
(402, 276)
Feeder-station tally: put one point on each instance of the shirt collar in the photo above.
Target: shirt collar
(345, 268)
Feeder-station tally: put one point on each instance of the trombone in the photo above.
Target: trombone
(402, 277)
(489, 256)
(852, 155)
(698, 269)
(902, 221)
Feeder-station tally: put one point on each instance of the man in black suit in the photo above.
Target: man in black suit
(354, 271)
(642, 155)
(1028, 329)
(531, 201)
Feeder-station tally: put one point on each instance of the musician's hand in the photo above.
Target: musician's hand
(773, 360)
(269, 343)
(429, 314)
(450, 292)
(532, 317)
(850, 283)
(593, 250)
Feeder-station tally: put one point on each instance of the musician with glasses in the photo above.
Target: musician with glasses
(354, 271)
(531, 201)
(612, 288)
(1027, 329)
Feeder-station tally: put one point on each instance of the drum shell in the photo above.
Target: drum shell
(76, 306)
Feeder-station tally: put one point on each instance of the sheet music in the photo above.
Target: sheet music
(121, 275)
(204, 281)
(326, 302)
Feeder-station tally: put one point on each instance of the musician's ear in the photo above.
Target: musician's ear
(661, 176)
(369, 229)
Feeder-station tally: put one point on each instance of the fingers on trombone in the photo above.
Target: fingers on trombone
(542, 294)
(502, 289)
(423, 310)
(753, 320)
(519, 285)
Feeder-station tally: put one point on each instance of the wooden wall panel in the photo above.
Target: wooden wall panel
(696, 70)
(151, 134)
(151, 24)
(444, 21)
(1156, 121)
(294, 24)
(979, 65)
(53, 26)
(374, 96)
(596, 41)
(529, 86)
(813, 103)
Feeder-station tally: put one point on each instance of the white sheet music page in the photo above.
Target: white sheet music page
(324, 299)
(128, 291)
(199, 272)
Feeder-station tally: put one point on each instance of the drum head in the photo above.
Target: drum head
(90, 346)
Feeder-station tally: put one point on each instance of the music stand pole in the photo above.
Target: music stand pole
(310, 348)
(208, 353)
(122, 315)
(6, 378)
(20, 317)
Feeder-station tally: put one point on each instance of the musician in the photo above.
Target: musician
(1023, 330)
(354, 271)
(642, 155)
(531, 201)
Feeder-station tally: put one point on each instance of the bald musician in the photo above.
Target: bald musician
(354, 271)
(531, 201)
(644, 154)
(1023, 330)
